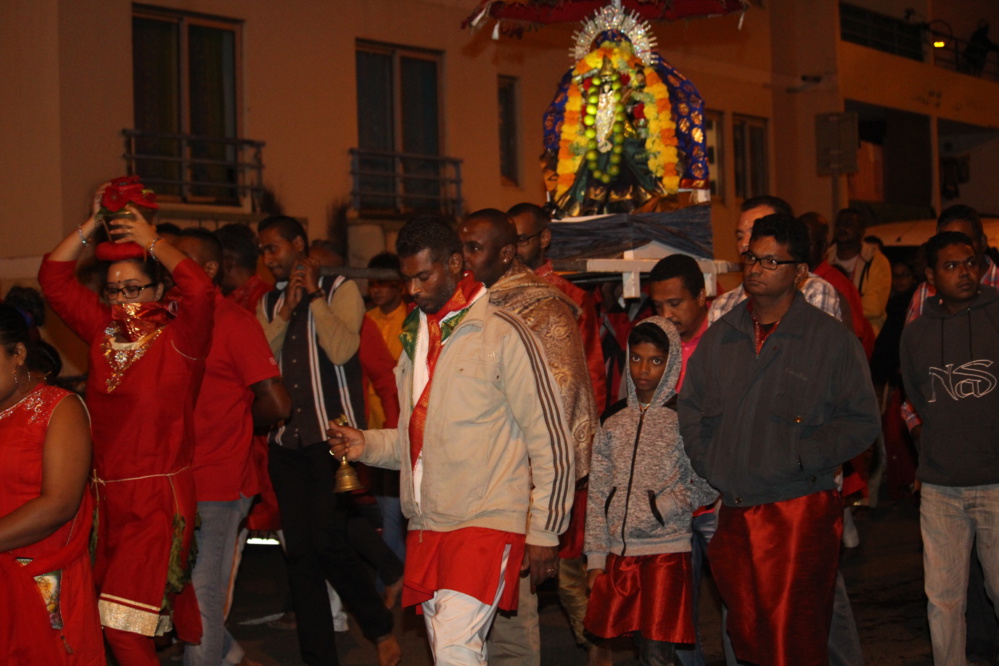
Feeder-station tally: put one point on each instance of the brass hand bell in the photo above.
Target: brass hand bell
(346, 477)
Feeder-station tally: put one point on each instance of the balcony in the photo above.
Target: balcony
(393, 185)
(186, 168)
(926, 42)
(961, 55)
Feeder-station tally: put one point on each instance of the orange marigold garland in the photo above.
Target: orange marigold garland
(625, 127)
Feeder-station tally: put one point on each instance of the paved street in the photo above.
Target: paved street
(884, 577)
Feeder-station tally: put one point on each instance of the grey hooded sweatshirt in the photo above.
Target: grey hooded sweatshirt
(642, 489)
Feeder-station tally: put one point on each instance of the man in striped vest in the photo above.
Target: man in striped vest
(313, 326)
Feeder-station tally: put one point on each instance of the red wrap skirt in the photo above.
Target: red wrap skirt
(775, 567)
(650, 594)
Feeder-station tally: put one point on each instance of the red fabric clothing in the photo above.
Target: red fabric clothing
(248, 296)
(143, 444)
(264, 513)
(570, 542)
(650, 594)
(378, 366)
(26, 630)
(465, 560)
(901, 453)
(223, 421)
(687, 350)
(775, 567)
(848, 291)
(460, 299)
(589, 329)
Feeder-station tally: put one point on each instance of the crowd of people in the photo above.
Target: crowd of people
(509, 428)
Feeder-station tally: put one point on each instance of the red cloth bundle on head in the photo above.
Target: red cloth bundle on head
(108, 251)
(119, 193)
(125, 190)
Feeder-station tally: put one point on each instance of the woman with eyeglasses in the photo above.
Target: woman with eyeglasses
(146, 366)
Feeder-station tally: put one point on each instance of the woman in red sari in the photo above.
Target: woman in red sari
(48, 614)
(146, 365)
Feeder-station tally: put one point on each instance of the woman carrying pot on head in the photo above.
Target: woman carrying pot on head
(146, 366)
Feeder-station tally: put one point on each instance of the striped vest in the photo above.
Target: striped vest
(320, 390)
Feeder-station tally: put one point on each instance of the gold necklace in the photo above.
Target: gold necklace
(121, 360)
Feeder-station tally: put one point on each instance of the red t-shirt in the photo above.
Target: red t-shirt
(223, 420)
(249, 295)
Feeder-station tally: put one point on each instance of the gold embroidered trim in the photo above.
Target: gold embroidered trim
(123, 618)
(111, 597)
(121, 358)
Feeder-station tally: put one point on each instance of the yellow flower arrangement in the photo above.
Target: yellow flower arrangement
(575, 137)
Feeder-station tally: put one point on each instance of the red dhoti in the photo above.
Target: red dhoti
(775, 567)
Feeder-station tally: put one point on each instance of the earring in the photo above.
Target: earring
(20, 390)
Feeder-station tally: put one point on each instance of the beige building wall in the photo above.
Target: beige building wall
(70, 65)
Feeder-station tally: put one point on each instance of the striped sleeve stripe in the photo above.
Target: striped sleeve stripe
(559, 497)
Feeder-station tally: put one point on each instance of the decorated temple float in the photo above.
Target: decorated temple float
(624, 162)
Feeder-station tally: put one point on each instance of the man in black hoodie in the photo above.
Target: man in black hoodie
(947, 357)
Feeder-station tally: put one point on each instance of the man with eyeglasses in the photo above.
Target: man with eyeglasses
(776, 397)
(817, 291)
(947, 360)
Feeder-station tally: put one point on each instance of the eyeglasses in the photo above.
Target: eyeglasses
(130, 290)
(524, 239)
(769, 263)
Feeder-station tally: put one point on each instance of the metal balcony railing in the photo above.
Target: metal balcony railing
(197, 169)
(396, 184)
(877, 31)
(928, 42)
(961, 55)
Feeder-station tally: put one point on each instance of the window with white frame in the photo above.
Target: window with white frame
(186, 111)
(398, 128)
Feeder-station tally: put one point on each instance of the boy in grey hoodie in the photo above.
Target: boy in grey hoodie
(642, 493)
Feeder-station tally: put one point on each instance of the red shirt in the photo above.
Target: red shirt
(249, 295)
(223, 418)
(378, 368)
(848, 291)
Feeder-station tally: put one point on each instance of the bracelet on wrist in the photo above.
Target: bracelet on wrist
(318, 293)
(83, 239)
(152, 244)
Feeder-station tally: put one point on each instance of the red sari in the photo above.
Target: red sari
(143, 441)
(62, 629)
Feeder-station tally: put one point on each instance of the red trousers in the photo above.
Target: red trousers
(775, 567)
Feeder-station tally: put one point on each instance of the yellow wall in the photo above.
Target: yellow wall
(70, 65)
